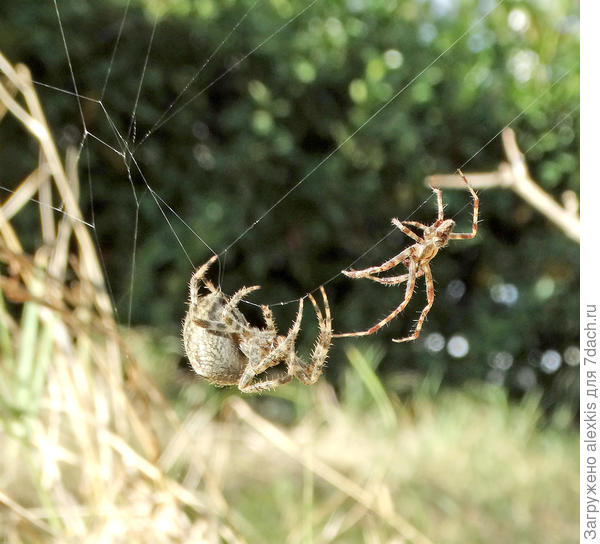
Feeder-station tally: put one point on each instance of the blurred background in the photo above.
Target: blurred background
(179, 124)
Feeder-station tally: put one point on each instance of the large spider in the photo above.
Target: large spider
(416, 258)
(225, 350)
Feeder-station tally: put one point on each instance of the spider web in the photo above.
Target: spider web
(126, 146)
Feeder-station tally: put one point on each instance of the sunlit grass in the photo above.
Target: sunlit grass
(466, 466)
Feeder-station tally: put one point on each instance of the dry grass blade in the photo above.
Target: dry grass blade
(78, 418)
(24, 513)
(35, 122)
(368, 500)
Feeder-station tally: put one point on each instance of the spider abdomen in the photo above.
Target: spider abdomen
(215, 356)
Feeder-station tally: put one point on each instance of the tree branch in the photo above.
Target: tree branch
(514, 175)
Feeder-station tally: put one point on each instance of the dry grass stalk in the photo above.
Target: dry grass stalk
(80, 452)
(514, 175)
(368, 500)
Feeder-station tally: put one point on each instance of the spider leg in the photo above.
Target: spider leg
(309, 373)
(237, 297)
(425, 311)
(225, 321)
(415, 224)
(389, 280)
(279, 378)
(268, 317)
(440, 203)
(398, 224)
(226, 325)
(410, 286)
(258, 363)
(219, 327)
(473, 233)
(199, 277)
(393, 280)
(391, 263)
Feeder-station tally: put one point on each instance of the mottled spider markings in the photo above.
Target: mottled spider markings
(416, 258)
(224, 349)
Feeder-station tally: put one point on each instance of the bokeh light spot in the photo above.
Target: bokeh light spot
(393, 59)
(572, 356)
(305, 71)
(544, 287)
(518, 20)
(550, 361)
(502, 360)
(504, 293)
(522, 64)
(427, 32)
(458, 346)
(358, 90)
(435, 342)
(456, 289)
(262, 122)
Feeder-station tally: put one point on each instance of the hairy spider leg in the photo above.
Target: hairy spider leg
(324, 338)
(268, 317)
(402, 226)
(473, 233)
(232, 303)
(199, 277)
(257, 363)
(391, 280)
(318, 355)
(425, 311)
(281, 378)
(410, 286)
(387, 265)
(239, 295)
(440, 212)
(415, 224)
(440, 204)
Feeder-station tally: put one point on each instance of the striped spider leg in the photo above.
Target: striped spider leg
(416, 259)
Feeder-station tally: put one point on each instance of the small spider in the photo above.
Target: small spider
(416, 258)
(225, 350)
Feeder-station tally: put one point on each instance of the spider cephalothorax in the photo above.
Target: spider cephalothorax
(225, 349)
(416, 258)
(434, 237)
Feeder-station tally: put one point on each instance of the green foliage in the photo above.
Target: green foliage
(263, 113)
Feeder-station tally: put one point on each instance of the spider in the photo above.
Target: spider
(225, 350)
(416, 258)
